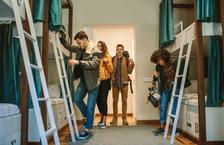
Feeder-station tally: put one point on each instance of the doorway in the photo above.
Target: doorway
(113, 35)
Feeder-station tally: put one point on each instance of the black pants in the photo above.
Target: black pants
(104, 89)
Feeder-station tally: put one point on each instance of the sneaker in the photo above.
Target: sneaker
(160, 131)
(102, 125)
(125, 122)
(155, 130)
(113, 122)
(84, 135)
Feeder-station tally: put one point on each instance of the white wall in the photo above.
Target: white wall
(112, 35)
(143, 16)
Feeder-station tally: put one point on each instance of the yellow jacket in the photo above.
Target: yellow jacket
(106, 67)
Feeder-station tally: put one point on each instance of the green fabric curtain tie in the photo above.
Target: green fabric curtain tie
(208, 10)
(166, 36)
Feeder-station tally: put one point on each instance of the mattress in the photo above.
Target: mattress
(6, 11)
(8, 110)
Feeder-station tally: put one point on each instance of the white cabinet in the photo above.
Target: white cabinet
(59, 113)
(10, 130)
(189, 117)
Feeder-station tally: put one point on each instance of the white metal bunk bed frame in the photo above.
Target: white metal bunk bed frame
(185, 37)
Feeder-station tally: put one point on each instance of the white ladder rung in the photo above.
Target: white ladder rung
(171, 115)
(61, 58)
(35, 67)
(43, 99)
(68, 96)
(179, 76)
(27, 35)
(50, 131)
(65, 77)
(176, 96)
(184, 56)
(72, 115)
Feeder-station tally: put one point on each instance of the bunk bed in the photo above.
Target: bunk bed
(7, 16)
(194, 116)
(10, 114)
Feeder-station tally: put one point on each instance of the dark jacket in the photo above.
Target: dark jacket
(89, 60)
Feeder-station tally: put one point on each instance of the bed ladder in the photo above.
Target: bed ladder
(183, 56)
(66, 93)
(44, 134)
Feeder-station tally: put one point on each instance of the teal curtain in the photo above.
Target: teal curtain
(166, 35)
(215, 72)
(55, 21)
(38, 10)
(208, 10)
(10, 66)
(69, 75)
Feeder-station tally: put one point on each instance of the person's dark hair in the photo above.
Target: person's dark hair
(160, 54)
(104, 47)
(81, 35)
(120, 45)
(164, 54)
(154, 56)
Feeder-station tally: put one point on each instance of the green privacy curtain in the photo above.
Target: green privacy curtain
(70, 75)
(215, 72)
(55, 12)
(38, 10)
(166, 36)
(208, 10)
(55, 21)
(10, 66)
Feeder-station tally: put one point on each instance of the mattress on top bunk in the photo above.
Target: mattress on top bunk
(6, 11)
(8, 110)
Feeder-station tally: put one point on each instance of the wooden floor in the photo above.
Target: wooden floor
(65, 138)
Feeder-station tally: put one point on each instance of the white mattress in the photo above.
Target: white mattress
(8, 110)
(6, 11)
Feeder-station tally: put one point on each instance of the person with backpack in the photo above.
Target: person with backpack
(122, 66)
(106, 68)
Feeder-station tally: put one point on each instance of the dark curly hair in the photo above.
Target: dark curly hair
(165, 55)
(154, 56)
(160, 54)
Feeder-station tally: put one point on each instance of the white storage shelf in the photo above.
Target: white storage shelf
(214, 120)
(10, 130)
(59, 114)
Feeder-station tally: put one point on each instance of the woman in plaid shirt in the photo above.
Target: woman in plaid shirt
(165, 75)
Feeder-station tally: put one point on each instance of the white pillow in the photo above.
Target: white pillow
(54, 90)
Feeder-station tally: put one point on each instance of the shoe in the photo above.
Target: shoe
(84, 135)
(102, 125)
(125, 122)
(113, 122)
(160, 131)
(155, 130)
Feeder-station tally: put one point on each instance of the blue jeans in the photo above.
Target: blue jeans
(165, 98)
(89, 109)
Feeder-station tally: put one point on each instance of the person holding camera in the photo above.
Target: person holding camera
(106, 68)
(122, 66)
(165, 74)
